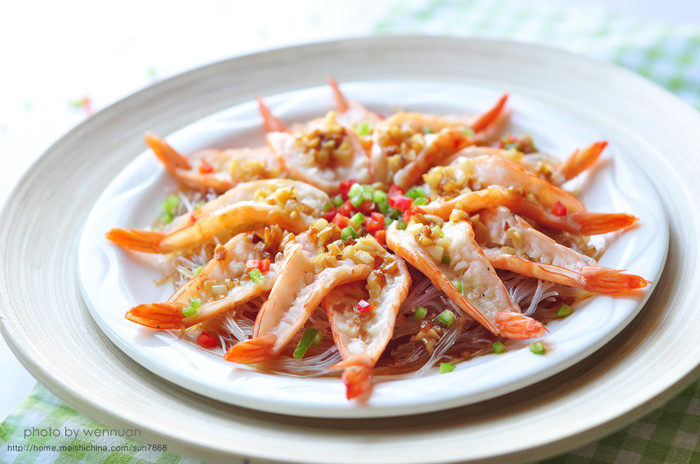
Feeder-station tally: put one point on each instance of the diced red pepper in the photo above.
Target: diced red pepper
(341, 221)
(406, 216)
(363, 307)
(366, 207)
(379, 217)
(262, 264)
(375, 222)
(206, 340)
(345, 187)
(558, 209)
(329, 215)
(206, 168)
(380, 235)
(345, 209)
(395, 190)
(400, 202)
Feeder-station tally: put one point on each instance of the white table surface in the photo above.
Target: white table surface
(56, 52)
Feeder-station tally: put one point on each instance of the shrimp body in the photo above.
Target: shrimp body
(511, 243)
(361, 332)
(466, 276)
(221, 285)
(290, 204)
(217, 170)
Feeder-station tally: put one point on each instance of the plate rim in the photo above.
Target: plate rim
(671, 386)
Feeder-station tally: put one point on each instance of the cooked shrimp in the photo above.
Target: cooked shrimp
(511, 243)
(351, 113)
(362, 317)
(291, 204)
(221, 285)
(217, 170)
(323, 155)
(314, 265)
(449, 256)
(586, 223)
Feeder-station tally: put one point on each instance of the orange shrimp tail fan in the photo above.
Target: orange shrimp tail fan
(611, 281)
(341, 103)
(602, 223)
(147, 241)
(270, 121)
(580, 160)
(164, 316)
(515, 325)
(171, 158)
(357, 375)
(252, 351)
(486, 119)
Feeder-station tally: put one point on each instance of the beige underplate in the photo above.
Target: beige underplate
(49, 328)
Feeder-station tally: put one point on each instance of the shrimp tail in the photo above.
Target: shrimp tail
(611, 281)
(163, 316)
(271, 122)
(515, 325)
(357, 375)
(602, 223)
(147, 241)
(484, 120)
(171, 158)
(341, 103)
(252, 351)
(580, 160)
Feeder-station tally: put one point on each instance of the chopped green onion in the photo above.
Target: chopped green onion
(467, 131)
(309, 337)
(415, 192)
(337, 200)
(421, 201)
(498, 347)
(326, 207)
(367, 192)
(170, 204)
(420, 313)
(445, 259)
(357, 219)
(355, 190)
(564, 310)
(199, 204)
(357, 201)
(167, 218)
(537, 347)
(446, 368)
(347, 233)
(428, 130)
(379, 197)
(383, 207)
(190, 310)
(256, 276)
(362, 128)
(400, 224)
(195, 272)
(446, 317)
(195, 303)
(458, 285)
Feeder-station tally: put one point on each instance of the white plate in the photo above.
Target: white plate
(113, 281)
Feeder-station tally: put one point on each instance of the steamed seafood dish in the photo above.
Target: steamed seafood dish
(366, 246)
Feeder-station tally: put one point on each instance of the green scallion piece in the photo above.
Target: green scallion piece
(256, 276)
(199, 204)
(458, 285)
(337, 200)
(309, 337)
(170, 204)
(421, 201)
(195, 303)
(355, 190)
(326, 206)
(190, 310)
(415, 192)
(347, 233)
(167, 218)
(563, 311)
(367, 192)
(362, 128)
(400, 224)
(467, 131)
(537, 347)
(196, 271)
(357, 219)
(445, 258)
(357, 201)
(428, 130)
(447, 317)
(446, 368)
(498, 347)
(379, 197)
(419, 313)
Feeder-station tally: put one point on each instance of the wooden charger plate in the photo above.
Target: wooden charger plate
(48, 326)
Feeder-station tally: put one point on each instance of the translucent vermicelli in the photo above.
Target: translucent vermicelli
(372, 247)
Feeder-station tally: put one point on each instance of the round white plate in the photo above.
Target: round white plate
(49, 328)
(113, 280)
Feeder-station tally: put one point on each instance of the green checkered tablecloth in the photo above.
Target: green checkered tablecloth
(667, 54)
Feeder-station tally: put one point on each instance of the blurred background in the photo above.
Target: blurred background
(62, 61)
